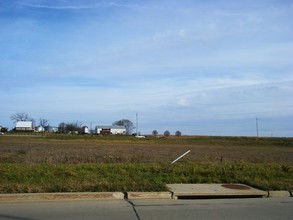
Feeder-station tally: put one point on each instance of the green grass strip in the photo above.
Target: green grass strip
(32, 178)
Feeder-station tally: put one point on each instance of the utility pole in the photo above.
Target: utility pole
(136, 126)
(256, 123)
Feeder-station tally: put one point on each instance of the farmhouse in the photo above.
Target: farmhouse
(104, 130)
(24, 126)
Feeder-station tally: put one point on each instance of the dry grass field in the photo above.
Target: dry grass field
(63, 163)
(119, 149)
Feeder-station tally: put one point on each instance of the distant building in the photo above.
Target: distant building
(39, 129)
(51, 129)
(24, 126)
(3, 129)
(85, 130)
(106, 130)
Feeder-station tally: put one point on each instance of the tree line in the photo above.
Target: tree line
(166, 133)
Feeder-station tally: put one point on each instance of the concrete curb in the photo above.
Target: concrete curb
(59, 196)
(272, 194)
(149, 195)
(26, 197)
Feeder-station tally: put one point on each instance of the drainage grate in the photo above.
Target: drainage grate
(235, 186)
(186, 197)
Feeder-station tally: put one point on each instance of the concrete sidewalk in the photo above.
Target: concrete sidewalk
(197, 191)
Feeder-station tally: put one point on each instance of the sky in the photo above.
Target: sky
(200, 67)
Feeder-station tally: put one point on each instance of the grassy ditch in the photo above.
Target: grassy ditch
(23, 178)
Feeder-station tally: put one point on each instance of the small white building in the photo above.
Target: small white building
(24, 126)
(85, 130)
(104, 130)
(51, 129)
(39, 129)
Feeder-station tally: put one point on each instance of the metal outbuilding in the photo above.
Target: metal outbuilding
(104, 130)
(24, 126)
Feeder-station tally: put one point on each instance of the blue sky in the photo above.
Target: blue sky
(200, 67)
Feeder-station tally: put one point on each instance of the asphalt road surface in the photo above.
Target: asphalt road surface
(262, 208)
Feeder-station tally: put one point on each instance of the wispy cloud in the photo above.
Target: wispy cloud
(80, 6)
(62, 7)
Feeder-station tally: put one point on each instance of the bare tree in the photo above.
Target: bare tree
(126, 123)
(62, 127)
(43, 122)
(178, 133)
(74, 126)
(70, 127)
(21, 116)
(155, 132)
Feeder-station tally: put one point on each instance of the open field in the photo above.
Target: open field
(120, 149)
(61, 163)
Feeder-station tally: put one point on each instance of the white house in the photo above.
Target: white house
(24, 126)
(110, 130)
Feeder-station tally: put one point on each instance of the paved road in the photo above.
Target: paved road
(263, 208)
